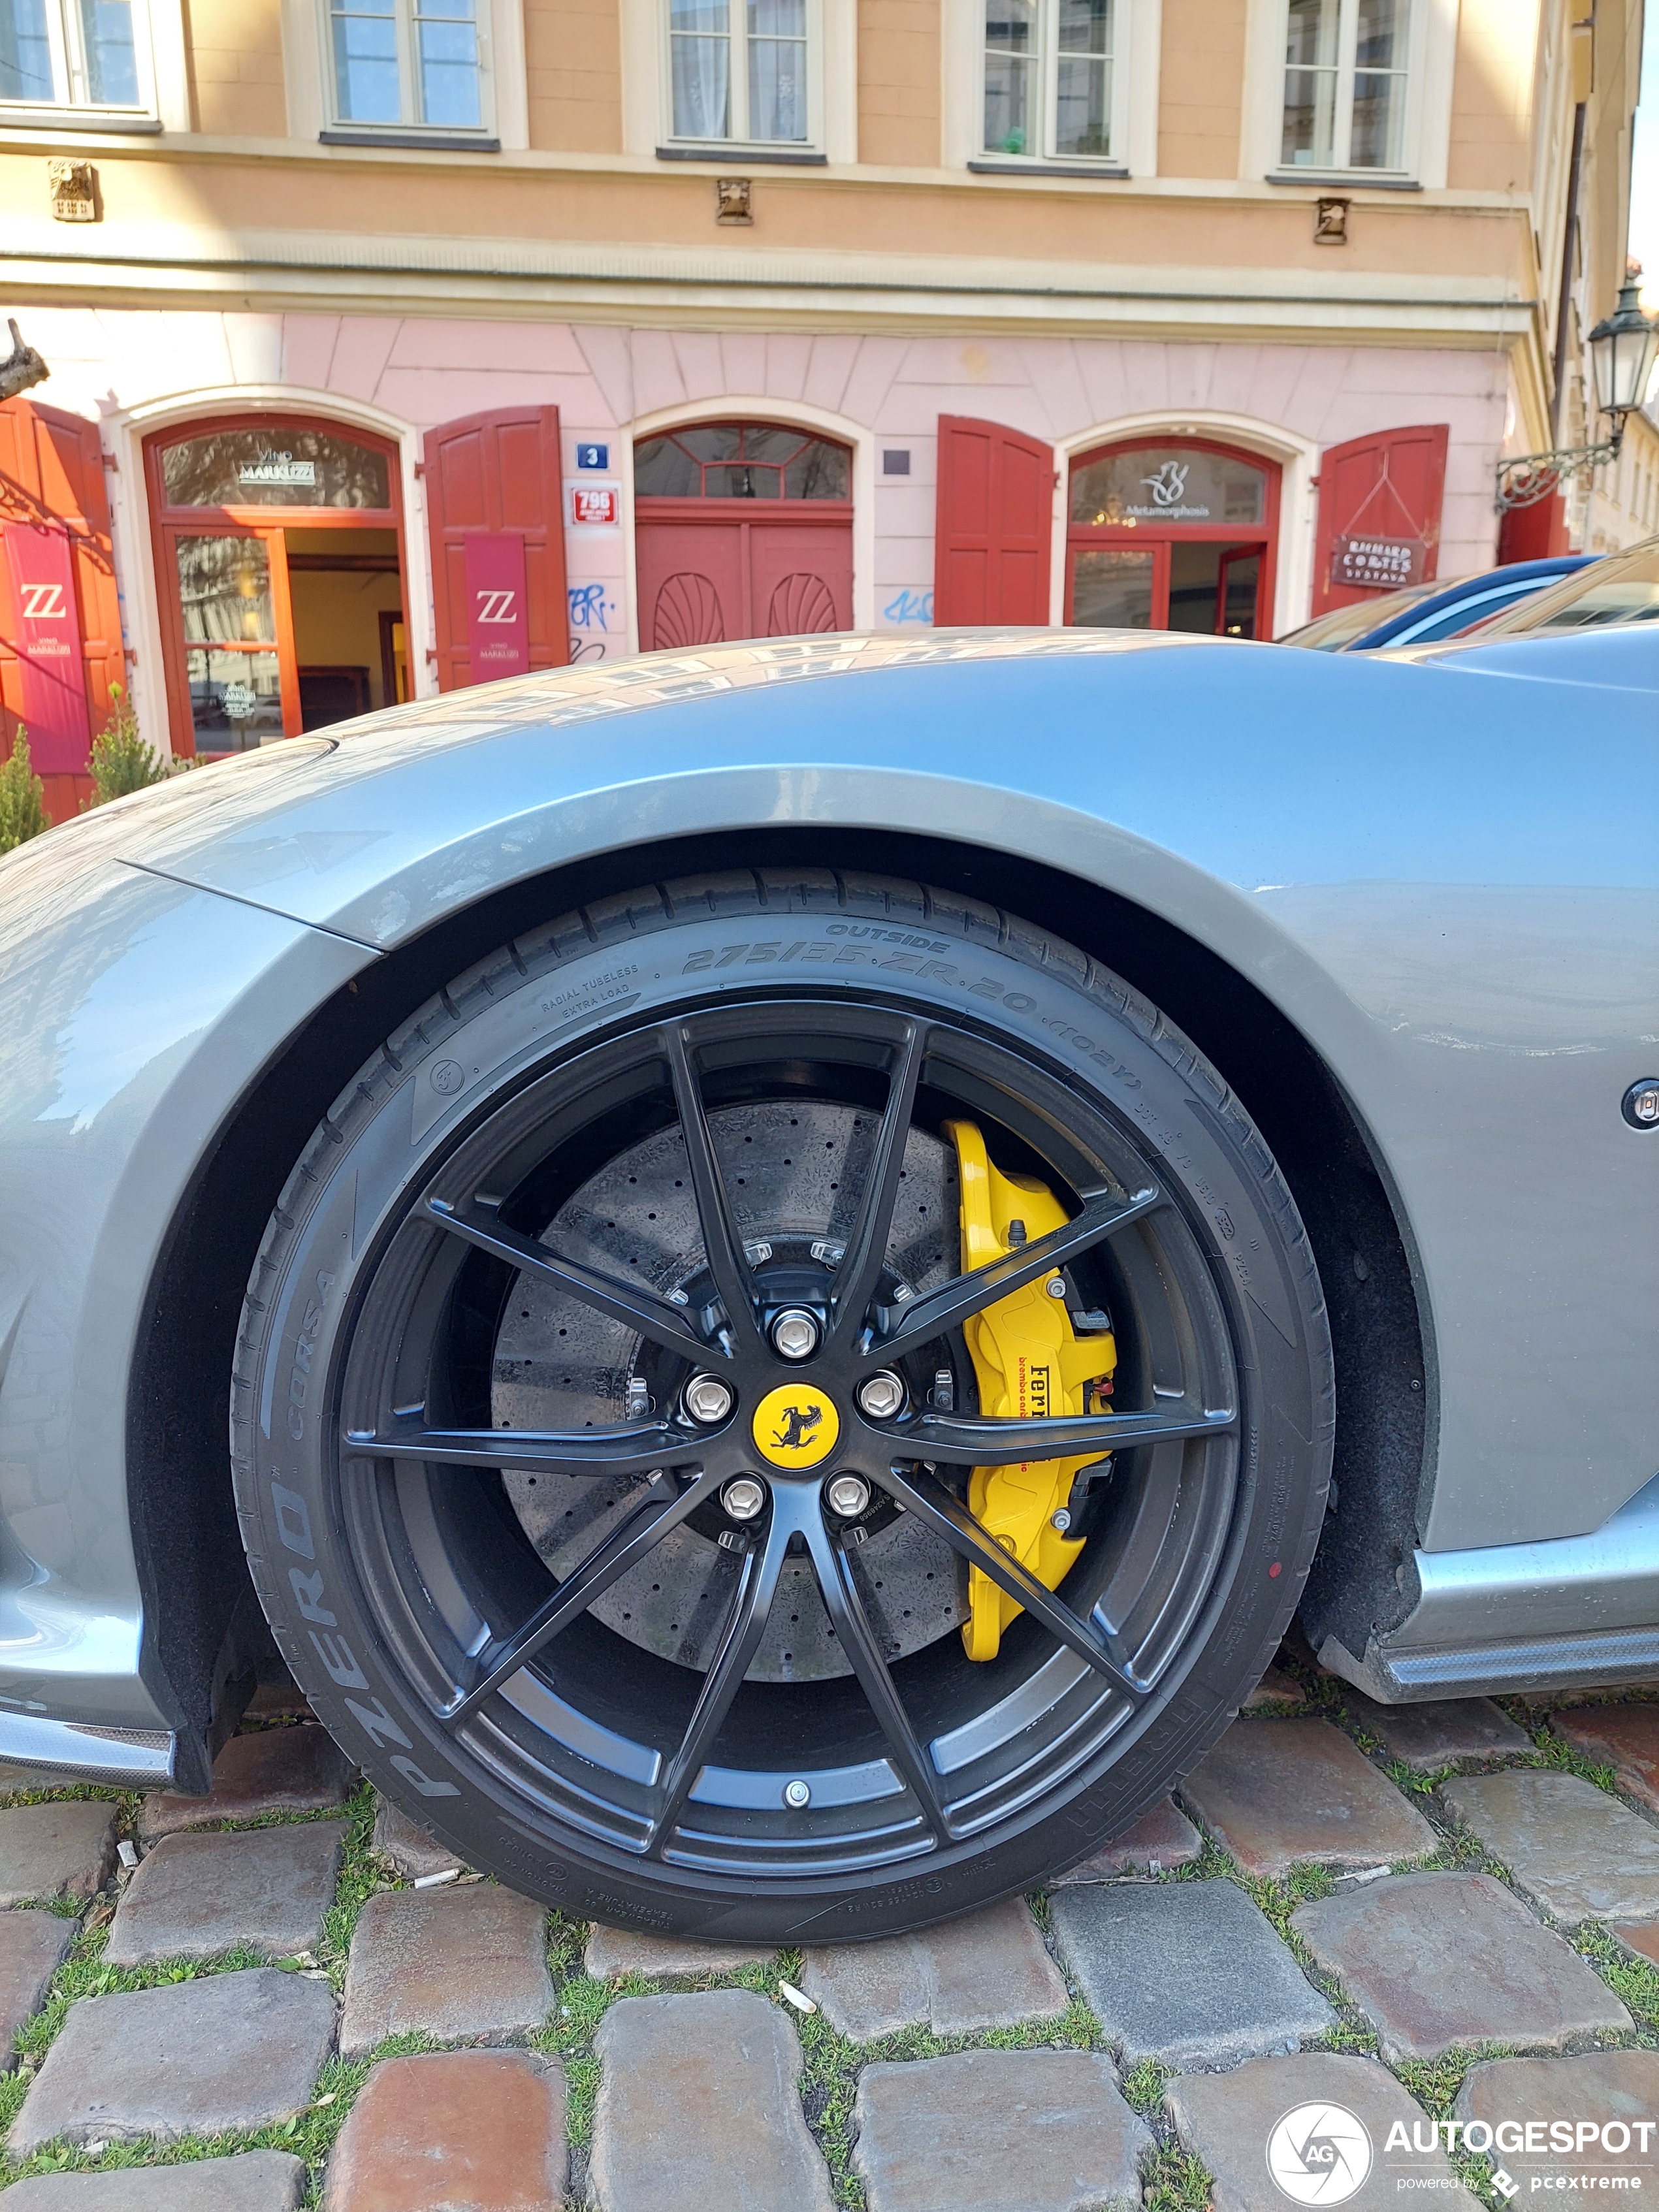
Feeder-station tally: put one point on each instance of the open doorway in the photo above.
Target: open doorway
(1178, 535)
(279, 557)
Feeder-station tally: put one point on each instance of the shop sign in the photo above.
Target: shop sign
(45, 634)
(594, 502)
(498, 627)
(1378, 564)
(274, 468)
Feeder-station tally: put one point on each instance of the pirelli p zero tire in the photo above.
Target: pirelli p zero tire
(603, 1418)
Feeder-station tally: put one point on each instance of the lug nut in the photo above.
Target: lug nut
(798, 1795)
(848, 1495)
(744, 1496)
(1062, 1520)
(708, 1400)
(881, 1395)
(795, 1333)
(1056, 1287)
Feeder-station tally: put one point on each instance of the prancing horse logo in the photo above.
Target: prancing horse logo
(798, 1422)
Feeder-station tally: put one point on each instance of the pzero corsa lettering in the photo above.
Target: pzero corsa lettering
(370, 1312)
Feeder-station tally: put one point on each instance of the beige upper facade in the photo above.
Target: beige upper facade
(569, 160)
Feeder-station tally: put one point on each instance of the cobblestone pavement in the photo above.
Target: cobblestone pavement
(1438, 1921)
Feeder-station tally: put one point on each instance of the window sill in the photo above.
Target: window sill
(748, 155)
(1368, 180)
(1110, 170)
(424, 141)
(77, 118)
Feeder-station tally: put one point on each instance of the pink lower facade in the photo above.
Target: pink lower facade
(880, 395)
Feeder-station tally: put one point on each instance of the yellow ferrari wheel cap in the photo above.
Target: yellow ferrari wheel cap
(795, 1427)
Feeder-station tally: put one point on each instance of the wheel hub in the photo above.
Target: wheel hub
(793, 1169)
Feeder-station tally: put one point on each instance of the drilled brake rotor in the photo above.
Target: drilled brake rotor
(794, 1169)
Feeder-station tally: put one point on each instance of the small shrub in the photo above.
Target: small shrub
(22, 799)
(121, 760)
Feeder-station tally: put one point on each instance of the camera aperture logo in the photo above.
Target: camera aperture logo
(1319, 2154)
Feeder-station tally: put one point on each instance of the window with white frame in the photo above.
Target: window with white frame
(1051, 72)
(413, 64)
(742, 72)
(72, 54)
(1346, 79)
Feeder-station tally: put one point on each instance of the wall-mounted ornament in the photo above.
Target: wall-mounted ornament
(734, 199)
(73, 189)
(1331, 222)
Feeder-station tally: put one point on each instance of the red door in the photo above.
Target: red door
(497, 473)
(51, 472)
(994, 524)
(1379, 498)
(741, 529)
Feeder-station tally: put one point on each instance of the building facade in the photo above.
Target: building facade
(397, 343)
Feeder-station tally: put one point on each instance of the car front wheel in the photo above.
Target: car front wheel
(781, 1407)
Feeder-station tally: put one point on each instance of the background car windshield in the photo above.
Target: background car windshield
(1343, 624)
(1624, 588)
(1479, 607)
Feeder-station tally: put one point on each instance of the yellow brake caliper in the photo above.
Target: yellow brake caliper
(1029, 1363)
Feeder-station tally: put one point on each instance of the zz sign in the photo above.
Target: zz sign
(44, 603)
(499, 630)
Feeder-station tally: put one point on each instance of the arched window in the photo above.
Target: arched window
(1172, 533)
(741, 460)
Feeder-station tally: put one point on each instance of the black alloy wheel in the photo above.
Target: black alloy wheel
(605, 1418)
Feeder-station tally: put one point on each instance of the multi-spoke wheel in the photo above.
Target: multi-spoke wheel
(626, 1467)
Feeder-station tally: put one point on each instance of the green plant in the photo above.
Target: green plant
(22, 799)
(121, 760)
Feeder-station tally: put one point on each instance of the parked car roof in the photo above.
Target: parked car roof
(1622, 587)
(1424, 613)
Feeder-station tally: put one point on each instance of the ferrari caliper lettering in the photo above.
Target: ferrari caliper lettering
(1031, 1363)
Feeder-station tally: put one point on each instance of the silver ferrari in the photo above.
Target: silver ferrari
(772, 1270)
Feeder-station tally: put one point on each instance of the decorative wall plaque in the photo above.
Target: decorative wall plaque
(73, 186)
(733, 200)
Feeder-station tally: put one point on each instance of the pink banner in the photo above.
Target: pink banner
(498, 627)
(46, 636)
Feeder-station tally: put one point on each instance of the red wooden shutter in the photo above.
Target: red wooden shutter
(51, 469)
(994, 525)
(1388, 486)
(497, 472)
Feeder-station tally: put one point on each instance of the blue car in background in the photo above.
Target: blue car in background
(1423, 614)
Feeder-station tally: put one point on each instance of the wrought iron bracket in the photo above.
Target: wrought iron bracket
(1529, 477)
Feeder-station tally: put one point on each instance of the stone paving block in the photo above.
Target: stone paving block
(1429, 1737)
(468, 1965)
(225, 2051)
(1574, 1851)
(1622, 1737)
(1616, 2086)
(412, 1848)
(613, 1951)
(1276, 1688)
(1227, 2120)
(280, 1699)
(254, 2181)
(999, 2132)
(195, 1896)
(1162, 1838)
(1436, 1960)
(698, 2106)
(64, 1848)
(1640, 1936)
(1589, 1694)
(1187, 1973)
(1276, 1793)
(454, 2131)
(32, 1946)
(989, 1970)
(288, 1770)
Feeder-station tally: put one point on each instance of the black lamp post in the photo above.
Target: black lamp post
(1621, 350)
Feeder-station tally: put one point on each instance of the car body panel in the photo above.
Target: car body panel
(1389, 849)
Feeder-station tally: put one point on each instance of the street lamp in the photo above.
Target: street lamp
(1621, 350)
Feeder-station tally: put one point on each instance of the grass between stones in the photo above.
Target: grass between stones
(1173, 2180)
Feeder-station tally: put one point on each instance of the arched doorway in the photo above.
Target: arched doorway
(741, 529)
(279, 560)
(1172, 533)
